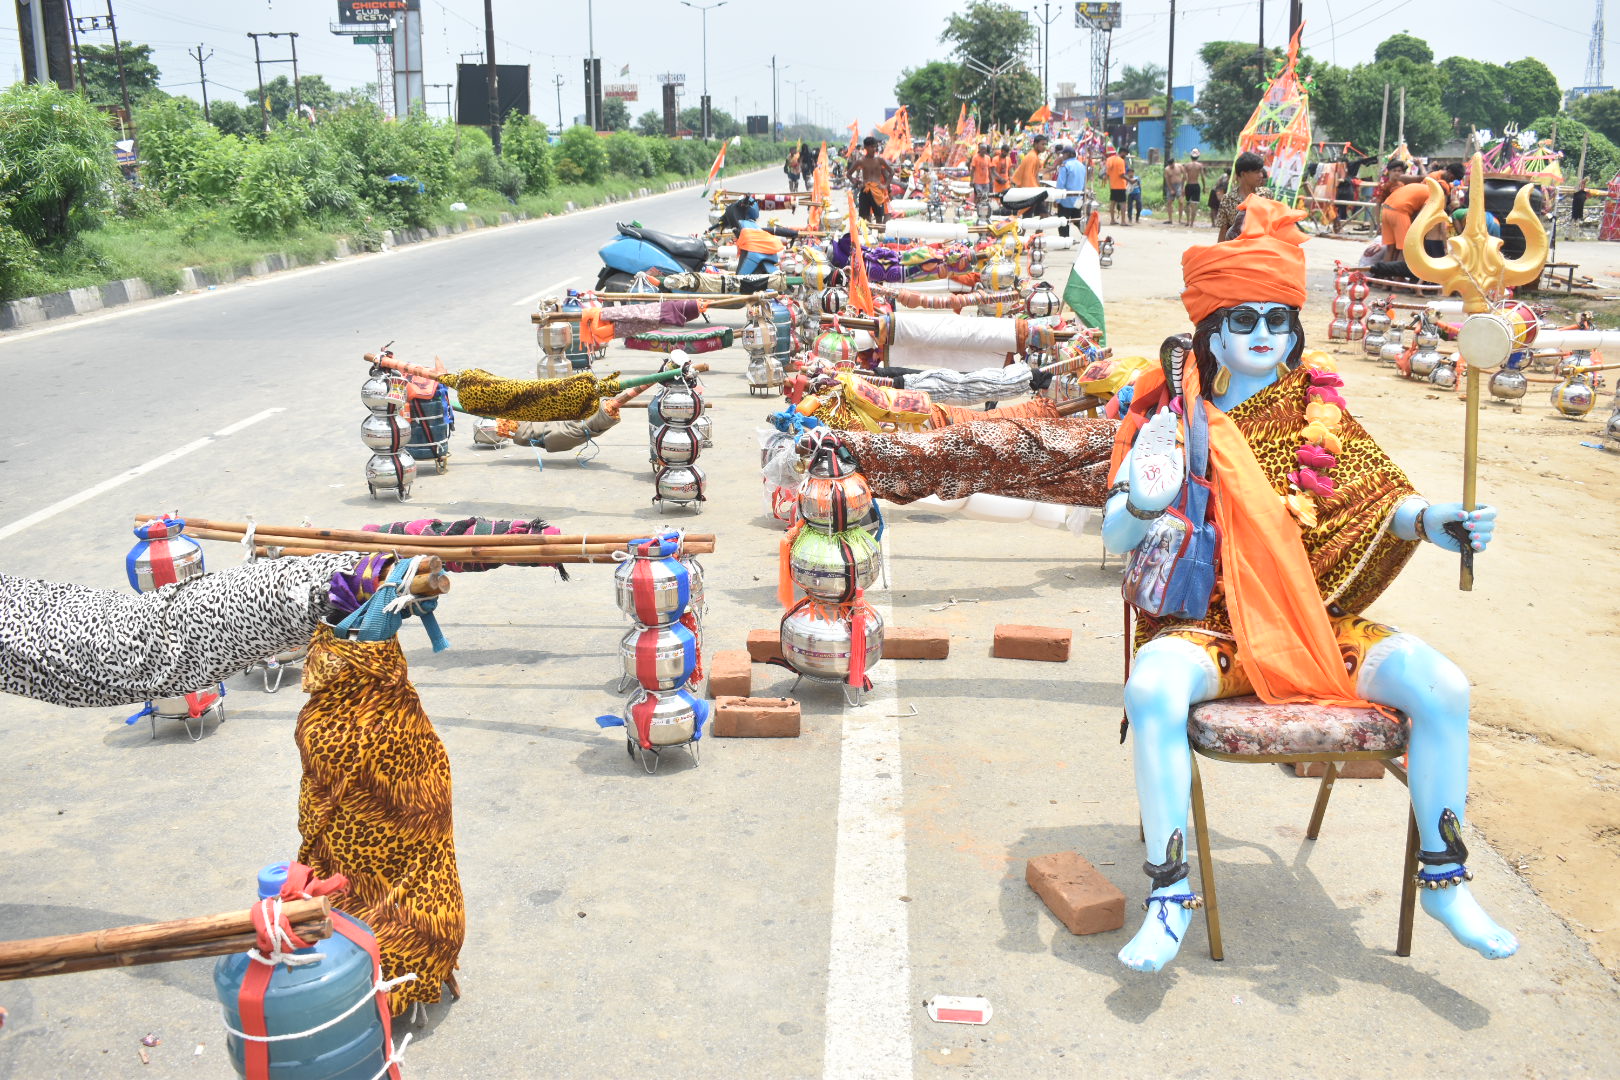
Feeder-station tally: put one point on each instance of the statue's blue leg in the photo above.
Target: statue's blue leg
(1167, 677)
(1409, 675)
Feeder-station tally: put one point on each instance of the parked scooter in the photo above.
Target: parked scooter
(638, 249)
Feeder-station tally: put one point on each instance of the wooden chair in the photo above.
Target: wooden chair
(1248, 730)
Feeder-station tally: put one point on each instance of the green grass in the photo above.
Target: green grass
(155, 245)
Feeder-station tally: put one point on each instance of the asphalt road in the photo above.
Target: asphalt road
(779, 911)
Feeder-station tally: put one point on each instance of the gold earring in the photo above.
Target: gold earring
(1223, 379)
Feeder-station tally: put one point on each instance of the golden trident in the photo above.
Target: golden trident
(1474, 268)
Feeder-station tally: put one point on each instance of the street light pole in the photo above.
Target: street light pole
(705, 9)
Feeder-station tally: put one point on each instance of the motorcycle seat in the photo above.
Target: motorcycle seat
(683, 248)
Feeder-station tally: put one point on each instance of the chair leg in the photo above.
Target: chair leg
(1330, 773)
(1409, 869)
(1206, 865)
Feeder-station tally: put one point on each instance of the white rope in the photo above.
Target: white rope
(270, 908)
(405, 598)
(395, 1055)
(382, 985)
(247, 540)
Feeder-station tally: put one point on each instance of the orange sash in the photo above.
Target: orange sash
(1284, 638)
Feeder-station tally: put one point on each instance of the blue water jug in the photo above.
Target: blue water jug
(301, 998)
(782, 320)
(578, 355)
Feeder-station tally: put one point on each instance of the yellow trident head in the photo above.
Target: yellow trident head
(1473, 266)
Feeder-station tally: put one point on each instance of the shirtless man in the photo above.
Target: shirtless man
(1192, 187)
(1173, 180)
(871, 176)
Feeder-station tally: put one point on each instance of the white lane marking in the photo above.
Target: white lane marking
(130, 474)
(869, 963)
(359, 259)
(547, 291)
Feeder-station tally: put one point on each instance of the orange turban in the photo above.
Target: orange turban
(1265, 263)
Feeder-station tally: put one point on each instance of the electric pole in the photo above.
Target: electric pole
(298, 93)
(118, 55)
(258, 67)
(1170, 88)
(494, 80)
(1296, 16)
(776, 120)
(202, 74)
(1046, 53)
(557, 80)
(446, 101)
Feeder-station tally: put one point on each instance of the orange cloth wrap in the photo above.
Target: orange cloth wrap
(759, 241)
(1265, 263)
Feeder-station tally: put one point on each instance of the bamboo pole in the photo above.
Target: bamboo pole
(499, 556)
(310, 533)
(393, 543)
(206, 935)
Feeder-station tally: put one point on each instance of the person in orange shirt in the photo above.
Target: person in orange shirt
(981, 173)
(1114, 169)
(1028, 173)
(1000, 169)
(1400, 207)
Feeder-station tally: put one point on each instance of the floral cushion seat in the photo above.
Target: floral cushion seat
(1249, 727)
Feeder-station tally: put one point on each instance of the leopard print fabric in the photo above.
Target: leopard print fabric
(1352, 552)
(573, 398)
(1059, 461)
(374, 806)
(81, 647)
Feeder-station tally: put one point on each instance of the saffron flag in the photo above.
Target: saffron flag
(1084, 293)
(719, 163)
(854, 136)
(1280, 130)
(898, 129)
(860, 289)
(1041, 115)
(820, 188)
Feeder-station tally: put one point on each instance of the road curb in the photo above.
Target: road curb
(33, 310)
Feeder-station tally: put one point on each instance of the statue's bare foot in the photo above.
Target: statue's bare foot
(1457, 910)
(1160, 936)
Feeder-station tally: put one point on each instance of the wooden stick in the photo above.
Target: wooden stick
(310, 533)
(120, 939)
(309, 930)
(502, 556)
(1081, 404)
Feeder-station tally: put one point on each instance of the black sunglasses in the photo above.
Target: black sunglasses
(1243, 320)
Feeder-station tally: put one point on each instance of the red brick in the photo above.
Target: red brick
(756, 718)
(730, 674)
(916, 643)
(764, 645)
(1348, 770)
(1032, 643)
(1076, 892)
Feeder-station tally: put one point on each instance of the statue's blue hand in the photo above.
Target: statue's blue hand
(1480, 523)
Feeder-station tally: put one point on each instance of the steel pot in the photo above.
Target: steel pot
(819, 647)
(382, 392)
(391, 472)
(672, 445)
(653, 586)
(680, 483)
(385, 432)
(659, 657)
(1508, 384)
(676, 717)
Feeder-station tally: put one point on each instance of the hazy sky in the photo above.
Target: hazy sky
(844, 55)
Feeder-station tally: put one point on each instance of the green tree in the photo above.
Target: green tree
(1602, 155)
(581, 158)
(1349, 104)
(174, 137)
(1600, 112)
(616, 115)
(990, 35)
(1403, 47)
(312, 89)
(1471, 91)
(1236, 75)
(1530, 90)
(233, 119)
(650, 123)
(101, 73)
(56, 161)
(930, 93)
(1146, 81)
(524, 144)
(722, 125)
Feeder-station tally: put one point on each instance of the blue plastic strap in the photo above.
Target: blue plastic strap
(701, 711)
(609, 721)
(146, 710)
(430, 623)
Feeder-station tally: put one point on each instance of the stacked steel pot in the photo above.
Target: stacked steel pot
(164, 555)
(387, 432)
(661, 589)
(677, 439)
(832, 634)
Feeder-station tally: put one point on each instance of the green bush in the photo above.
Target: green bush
(524, 144)
(270, 197)
(56, 161)
(18, 258)
(627, 156)
(580, 156)
(174, 136)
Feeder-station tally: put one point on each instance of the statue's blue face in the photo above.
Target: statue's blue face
(1259, 350)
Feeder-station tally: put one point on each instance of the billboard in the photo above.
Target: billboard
(472, 91)
(627, 91)
(1097, 16)
(1143, 108)
(368, 12)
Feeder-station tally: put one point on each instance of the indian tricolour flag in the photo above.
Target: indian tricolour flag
(1084, 291)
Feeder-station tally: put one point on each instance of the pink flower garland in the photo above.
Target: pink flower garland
(1319, 441)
